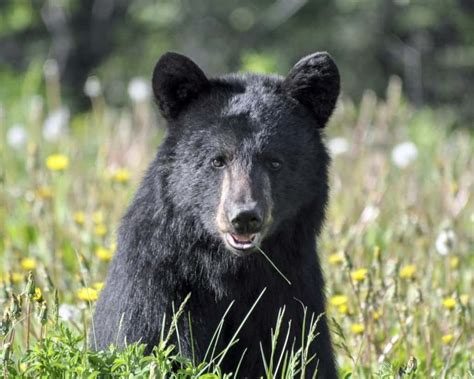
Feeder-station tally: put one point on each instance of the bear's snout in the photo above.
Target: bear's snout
(246, 219)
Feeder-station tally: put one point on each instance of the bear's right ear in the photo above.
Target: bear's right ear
(177, 80)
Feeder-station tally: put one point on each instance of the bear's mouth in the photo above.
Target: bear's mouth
(242, 243)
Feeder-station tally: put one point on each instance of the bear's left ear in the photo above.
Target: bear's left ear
(314, 81)
(177, 80)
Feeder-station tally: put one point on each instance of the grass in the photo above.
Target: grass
(397, 248)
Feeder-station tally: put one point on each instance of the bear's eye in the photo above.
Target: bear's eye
(274, 165)
(218, 162)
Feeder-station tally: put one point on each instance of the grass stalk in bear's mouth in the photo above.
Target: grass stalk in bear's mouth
(273, 264)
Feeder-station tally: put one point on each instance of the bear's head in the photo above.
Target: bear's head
(245, 155)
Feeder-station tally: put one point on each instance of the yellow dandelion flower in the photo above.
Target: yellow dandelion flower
(79, 218)
(28, 264)
(87, 294)
(44, 193)
(449, 303)
(38, 295)
(57, 162)
(447, 339)
(98, 286)
(343, 309)
(454, 262)
(376, 315)
(336, 258)
(122, 175)
(408, 272)
(357, 328)
(105, 255)
(359, 275)
(98, 217)
(100, 230)
(338, 300)
(464, 299)
(16, 277)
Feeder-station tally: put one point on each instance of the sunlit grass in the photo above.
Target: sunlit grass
(397, 249)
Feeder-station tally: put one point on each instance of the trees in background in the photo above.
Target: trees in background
(428, 43)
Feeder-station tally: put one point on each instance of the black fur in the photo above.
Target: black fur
(168, 242)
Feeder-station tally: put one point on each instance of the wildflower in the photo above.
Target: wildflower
(121, 175)
(87, 294)
(92, 87)
(343, 309)
(357, 328)
(338, 300)
(338, 146)
(38, 295)
(336, 258)
(28, 264)
(447, 338)
(445, 242)
(57, 162)
(16, 277)
(404, 153)
(376, 315)
(98, 217)
(105, 255)
(449, 303)
(69, 312)
(100, 230)
(79, 218)
(44, 193)
(454, 262)
(139, 90)
(408, 272)
(98, 286)
(16, 136)
(369, 214)
(55, 125)
(359, 275)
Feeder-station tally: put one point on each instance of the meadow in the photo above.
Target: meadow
(397, 248)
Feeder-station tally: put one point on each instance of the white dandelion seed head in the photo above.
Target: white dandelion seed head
(16, 136)
(56, 124)
(370, 214)
(139, 90)
(446, 242)
(404, 154)
(338, 146)
(92, 87)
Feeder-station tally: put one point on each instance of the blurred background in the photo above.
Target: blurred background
(429, 44)
(78, 127)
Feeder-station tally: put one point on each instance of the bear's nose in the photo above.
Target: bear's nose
(246, 220)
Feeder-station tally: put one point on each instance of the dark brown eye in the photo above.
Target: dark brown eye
(218, 162)
(274, 165)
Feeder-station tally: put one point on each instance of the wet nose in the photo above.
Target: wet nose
(246, 220)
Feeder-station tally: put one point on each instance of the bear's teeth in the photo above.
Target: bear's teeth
(243, 238)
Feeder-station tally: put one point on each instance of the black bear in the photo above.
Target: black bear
(243, 169)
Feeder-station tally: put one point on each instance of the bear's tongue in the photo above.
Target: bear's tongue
(243, 238)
